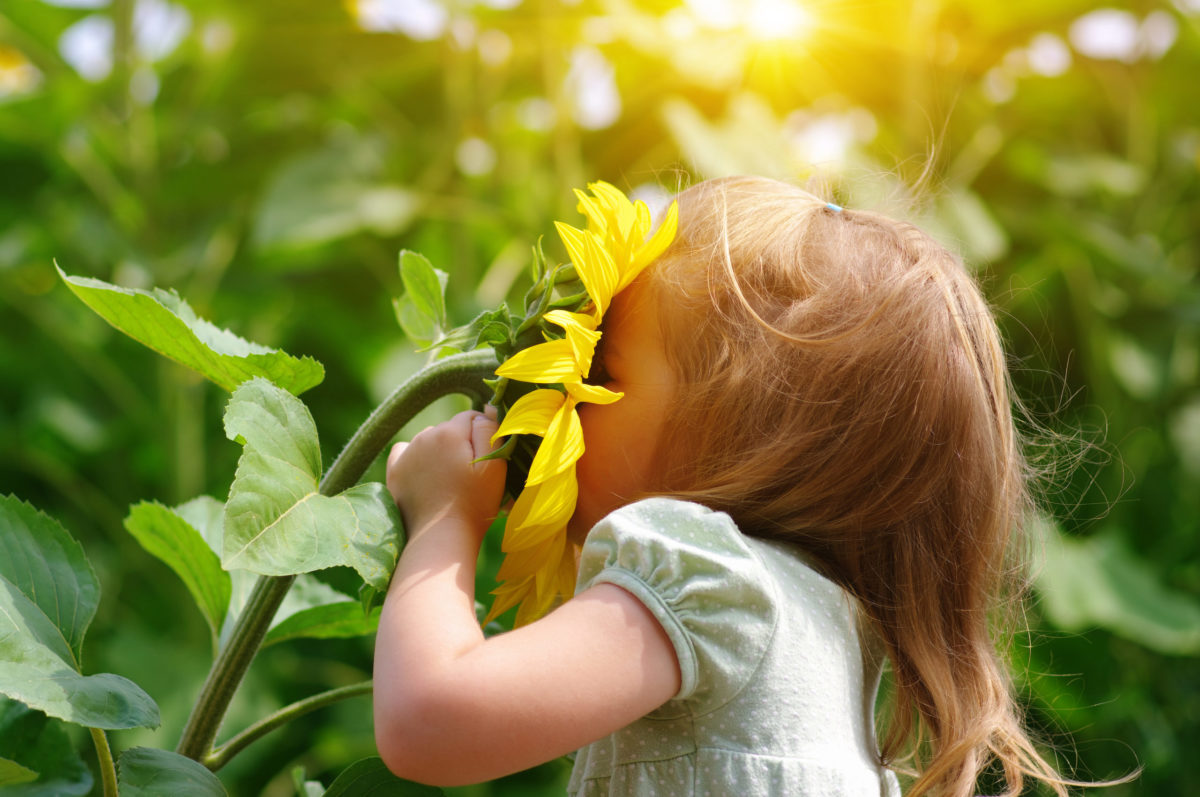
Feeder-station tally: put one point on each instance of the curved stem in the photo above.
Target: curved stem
(460, 373)
(108, 770)
(222, 755)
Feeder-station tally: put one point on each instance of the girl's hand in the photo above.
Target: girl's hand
(434, 478)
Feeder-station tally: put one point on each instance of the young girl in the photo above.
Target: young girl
(813, 467)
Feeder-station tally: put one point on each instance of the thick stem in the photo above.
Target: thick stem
(460, 373)
(108, 770)
(222, 755)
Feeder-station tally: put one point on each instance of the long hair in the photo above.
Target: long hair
(842, 386)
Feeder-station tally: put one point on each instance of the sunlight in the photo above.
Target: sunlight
(777, 19)
(765, 20)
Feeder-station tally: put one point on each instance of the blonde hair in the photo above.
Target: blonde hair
(843, 387)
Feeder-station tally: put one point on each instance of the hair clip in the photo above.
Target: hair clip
(833, 207)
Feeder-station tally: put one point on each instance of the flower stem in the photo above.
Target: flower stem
(221, 756)
(460, 373)
(108, 770)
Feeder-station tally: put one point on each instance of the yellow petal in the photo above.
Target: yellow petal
(644, 221)
(567, 571)
(650, 250)
(561, 448)
(545, 363)
(508, 596)
(589, 207)
(545, 580)
(603, 272)
(531, 413)
(527, 561)
(618, 205)
(593, 263)
(540, 510)
(591, 393)
(581, 334)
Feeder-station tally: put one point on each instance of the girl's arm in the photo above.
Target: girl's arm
(452, 707)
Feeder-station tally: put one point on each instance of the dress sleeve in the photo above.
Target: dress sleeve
(693, 570)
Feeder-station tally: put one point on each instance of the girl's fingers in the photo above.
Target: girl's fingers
(395, 453)
(482, 429)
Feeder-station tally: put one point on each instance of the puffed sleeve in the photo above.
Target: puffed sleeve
(695, 572)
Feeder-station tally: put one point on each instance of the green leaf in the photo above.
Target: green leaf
(50, 765)
(48, 566)
(205, 515)
(341, 620)
(421, 311)
(276, 523)
(370, 777)
(146, 772)
(1100, 582)
(12, 773)
(180, 546)
(42, 624)
(165, 323)
(425, 285)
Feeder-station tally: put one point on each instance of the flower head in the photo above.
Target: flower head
(539, 565)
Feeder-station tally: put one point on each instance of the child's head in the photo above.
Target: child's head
(839, 372)
(841, 384)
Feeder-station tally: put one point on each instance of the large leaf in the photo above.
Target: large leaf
(339, 620)
(370, 777)
(306, 597)
(41, 559)
(164, 322)
(276, 523)
(146, 772)
(1100, 582)
(179, 545)
(41, 748)
(38, 664)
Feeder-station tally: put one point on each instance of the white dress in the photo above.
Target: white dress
(778, 676)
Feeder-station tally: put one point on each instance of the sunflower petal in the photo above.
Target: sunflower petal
(561, 448)
(524, 563)
(604, 274)
(545, 578)
(619, 207)
(540, 510)
(644, 221)
(651, 249)
(591, 393)
(581, 334)
(546, 363)
(589, 207)
(531, 414)
(508, 596)
(593, 263)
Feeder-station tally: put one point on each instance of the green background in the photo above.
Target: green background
(268, 160)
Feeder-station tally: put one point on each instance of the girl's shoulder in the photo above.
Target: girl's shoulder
(707, 586)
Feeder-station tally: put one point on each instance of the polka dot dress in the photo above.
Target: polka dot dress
(778, 679)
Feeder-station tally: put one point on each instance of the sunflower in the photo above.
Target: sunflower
(539, 565)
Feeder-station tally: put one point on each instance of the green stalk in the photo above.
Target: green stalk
(460, 373)
(108, 770)
(222, 755)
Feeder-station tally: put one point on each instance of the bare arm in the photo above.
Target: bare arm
(454, 708)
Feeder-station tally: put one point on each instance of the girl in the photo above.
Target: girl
(814, 466)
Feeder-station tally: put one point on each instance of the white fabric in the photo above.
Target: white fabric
(778, 687)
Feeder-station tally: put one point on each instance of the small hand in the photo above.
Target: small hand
(435, 477)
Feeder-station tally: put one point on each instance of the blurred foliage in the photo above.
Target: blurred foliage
(268, 160)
